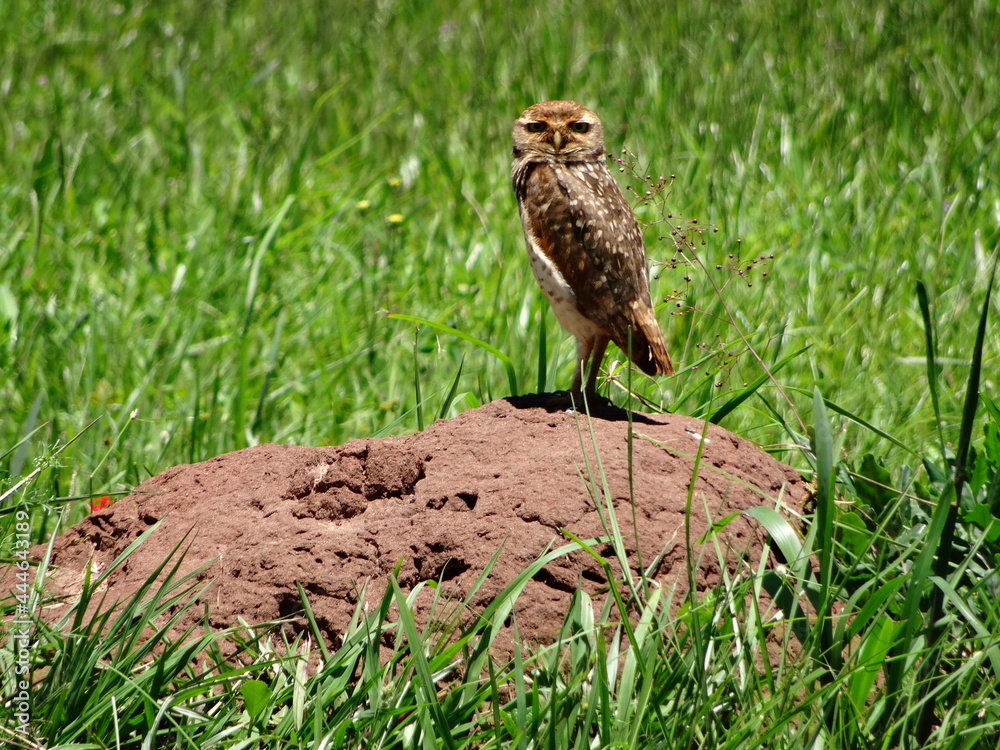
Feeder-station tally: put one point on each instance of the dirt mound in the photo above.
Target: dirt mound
(441, 501)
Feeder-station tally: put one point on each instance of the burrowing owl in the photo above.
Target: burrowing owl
(583, 240)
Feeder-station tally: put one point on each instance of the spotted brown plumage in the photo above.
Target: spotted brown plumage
(583, 240)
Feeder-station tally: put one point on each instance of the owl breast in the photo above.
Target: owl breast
(559, 293)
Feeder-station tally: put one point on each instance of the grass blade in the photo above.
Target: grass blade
(932, 368)
(430, 713)
(745, 393)
(823, 539)
(416, 383)
(448, 399)
(504, 359)
(949, 514)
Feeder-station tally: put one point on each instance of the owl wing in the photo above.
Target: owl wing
(577, 216)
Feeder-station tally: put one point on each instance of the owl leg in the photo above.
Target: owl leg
(584, 346)
(598, 345)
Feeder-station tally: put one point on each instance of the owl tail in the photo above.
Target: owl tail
(648, 351)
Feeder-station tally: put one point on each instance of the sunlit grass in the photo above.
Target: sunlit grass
(148, 154)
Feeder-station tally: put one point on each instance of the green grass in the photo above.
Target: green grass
(208, 209)
(180, 231)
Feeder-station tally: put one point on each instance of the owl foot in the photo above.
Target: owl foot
(577, 400)
(594, 405)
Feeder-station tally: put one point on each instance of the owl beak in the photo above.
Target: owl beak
(557, 140)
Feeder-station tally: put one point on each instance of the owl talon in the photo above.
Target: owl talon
(576, 401)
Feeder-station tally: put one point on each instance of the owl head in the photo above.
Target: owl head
(560, 130)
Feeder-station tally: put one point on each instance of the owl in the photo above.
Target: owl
(583, 239)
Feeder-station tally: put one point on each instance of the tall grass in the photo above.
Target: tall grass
(208, 208)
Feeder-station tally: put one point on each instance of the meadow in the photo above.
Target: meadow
(212, 213)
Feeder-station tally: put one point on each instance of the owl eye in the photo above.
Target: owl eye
(535, 127)
(579, 127)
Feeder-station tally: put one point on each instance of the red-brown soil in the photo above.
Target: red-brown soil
(441, 502)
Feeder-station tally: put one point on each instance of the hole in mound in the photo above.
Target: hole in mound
(448, 501)
(593, 575)
(451, 568)
(318, 590)
(545, 577)
(289, 605)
